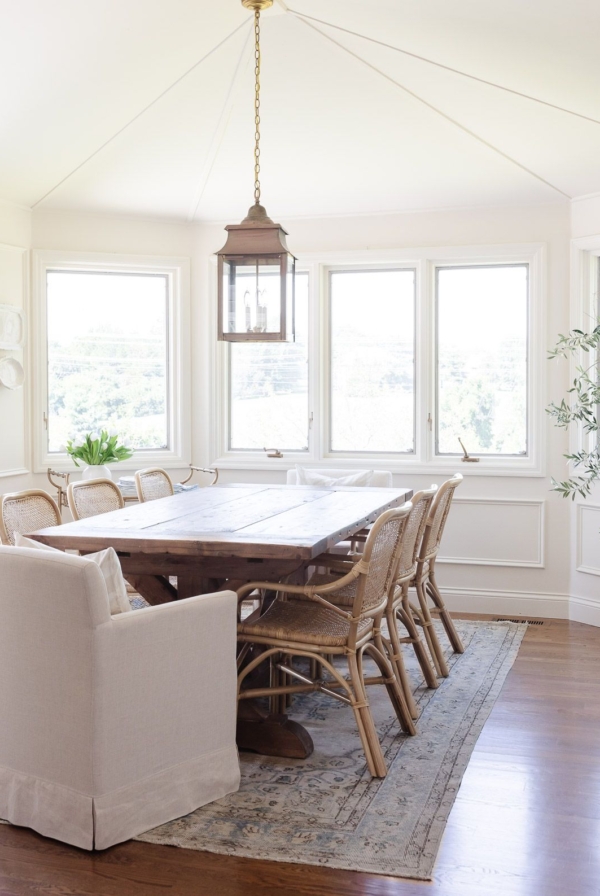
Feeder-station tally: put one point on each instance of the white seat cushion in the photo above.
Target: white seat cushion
(109, 565)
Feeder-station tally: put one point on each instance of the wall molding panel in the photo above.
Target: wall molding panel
(588, 539)
(18, 471)
(14, 403)
(512, 536)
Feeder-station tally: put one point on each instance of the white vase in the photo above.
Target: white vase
(96, 471)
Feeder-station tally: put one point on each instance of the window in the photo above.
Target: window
(406, 352)
(372, 347)
(107, 356)
(482, 359)
(268, 394)
(112, 350)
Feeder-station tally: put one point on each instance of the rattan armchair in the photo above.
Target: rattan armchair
(318, 628)
(90, 497)
(397, 609)
(424, 579)
(24, 512)
(153, 483)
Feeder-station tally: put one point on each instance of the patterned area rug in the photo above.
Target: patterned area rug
(327, 810)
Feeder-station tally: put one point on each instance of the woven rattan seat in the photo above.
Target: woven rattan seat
(91, 497)
(315, 625)
(153, 483)
(24, 512)
(303, 621)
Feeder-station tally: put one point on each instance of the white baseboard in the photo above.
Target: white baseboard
(583, 609)
(508, 603)
(523, 603)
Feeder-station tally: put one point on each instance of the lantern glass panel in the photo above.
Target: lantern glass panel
(252, 295)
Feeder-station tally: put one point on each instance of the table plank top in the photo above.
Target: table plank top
(236, 520)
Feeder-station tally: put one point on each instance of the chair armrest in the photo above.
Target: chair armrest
(340, 562)
(165, 676)
(312, 592)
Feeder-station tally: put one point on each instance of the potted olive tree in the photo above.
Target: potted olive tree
(581, 406)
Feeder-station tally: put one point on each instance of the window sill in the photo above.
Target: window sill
(62, 463)
(519, 467)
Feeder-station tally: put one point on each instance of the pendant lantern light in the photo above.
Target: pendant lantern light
(255, 268)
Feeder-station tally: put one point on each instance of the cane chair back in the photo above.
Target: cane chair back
(437, 518)
(384, 573)
(362, 587)
(152, 483)
(92, 497)
(413, 534)
(24, 512)
(379, 560)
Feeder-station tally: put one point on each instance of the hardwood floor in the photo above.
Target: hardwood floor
(526, 821)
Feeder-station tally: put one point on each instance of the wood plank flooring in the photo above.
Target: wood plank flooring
(526, 821)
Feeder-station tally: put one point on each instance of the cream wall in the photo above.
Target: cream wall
(15, 232)
(117, 234)
(585, 216)
(535, 519)
(524, 528)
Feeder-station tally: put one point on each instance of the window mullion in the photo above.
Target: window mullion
(316, 368)
(424, 361)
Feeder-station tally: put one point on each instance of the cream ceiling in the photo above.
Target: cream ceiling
(89, 121)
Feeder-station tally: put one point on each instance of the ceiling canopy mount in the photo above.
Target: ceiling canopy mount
(257, 4)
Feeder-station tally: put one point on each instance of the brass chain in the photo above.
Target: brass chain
(256, 106)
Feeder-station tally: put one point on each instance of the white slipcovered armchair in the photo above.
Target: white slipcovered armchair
(109, 725)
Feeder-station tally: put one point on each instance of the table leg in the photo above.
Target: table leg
(155, 589)
(271, 735)
(257, 730)
(189, 584)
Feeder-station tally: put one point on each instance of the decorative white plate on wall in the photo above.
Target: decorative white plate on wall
(12, 374)
(12, 327)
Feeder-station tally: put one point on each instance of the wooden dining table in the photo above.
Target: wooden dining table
(223, 536)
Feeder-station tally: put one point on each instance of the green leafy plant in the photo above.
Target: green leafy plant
(94, 448)
(582, 406)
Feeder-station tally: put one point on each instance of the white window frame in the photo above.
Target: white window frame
(177, 272)
(347, 458)
(424, 460)
(532, 461)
